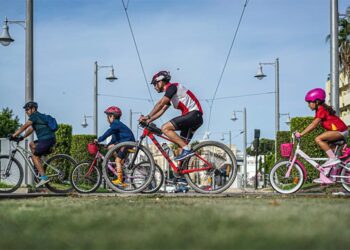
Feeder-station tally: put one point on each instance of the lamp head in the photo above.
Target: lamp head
(111, 76)
(5, 38)
(260, 74)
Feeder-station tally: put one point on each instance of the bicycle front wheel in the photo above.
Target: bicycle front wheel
(11, 174)
(283, 184)
(135, 176)
(58, 169)
(86, 177)
(212, 169)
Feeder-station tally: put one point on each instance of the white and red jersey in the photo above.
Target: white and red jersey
(182, 98)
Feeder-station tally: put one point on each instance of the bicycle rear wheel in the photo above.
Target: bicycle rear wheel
(222, 171)
(135, 176)
(58, 169)
(10, 178)
(286, 185)
(85, 177)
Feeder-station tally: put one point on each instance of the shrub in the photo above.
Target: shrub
(79, 147)
(63, 139)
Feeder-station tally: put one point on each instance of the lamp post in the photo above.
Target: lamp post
(229, 135)
(130, 121)
(110, 78)
(6, 39)
(234, 118)
(260, 75)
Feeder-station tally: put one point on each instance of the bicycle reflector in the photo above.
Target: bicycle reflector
(92, 148)
(286, 149)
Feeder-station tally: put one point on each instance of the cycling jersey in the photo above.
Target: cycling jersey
(119, 132)
(182, 98)
(330, 122)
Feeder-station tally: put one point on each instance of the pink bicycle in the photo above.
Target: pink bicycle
(288, 176)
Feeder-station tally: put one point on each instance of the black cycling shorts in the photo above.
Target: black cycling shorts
(44, 147)
(188, 124)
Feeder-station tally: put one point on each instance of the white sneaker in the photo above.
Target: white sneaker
(331, 162)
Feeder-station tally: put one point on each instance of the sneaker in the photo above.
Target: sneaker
(330, 162)
(184, 154)
(323, 180)
(119, 183)
(43, 180)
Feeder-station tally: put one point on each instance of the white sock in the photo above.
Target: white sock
(330, 154)
(186, 148)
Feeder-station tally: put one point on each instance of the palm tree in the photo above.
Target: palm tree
(344, 45)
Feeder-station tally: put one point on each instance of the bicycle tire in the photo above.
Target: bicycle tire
(155, 184)
(132, 187)
(299, 179)
(345, 182)
(86, 184)
(61, 182)
(216, 174)
(17, 183)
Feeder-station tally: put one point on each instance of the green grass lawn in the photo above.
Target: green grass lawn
(175, 223)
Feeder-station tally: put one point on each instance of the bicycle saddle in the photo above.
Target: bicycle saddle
(338, 142)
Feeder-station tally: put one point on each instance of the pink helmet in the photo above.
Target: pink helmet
(315, 94)
(114, 111)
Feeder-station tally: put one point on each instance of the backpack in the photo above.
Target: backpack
(50, 122)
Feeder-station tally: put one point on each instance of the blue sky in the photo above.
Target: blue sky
(189, 38)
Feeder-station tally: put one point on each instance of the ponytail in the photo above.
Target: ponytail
(327, 107)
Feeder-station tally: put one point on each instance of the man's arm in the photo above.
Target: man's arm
(159, 114)
(28, 132)
(24, 127)
(159, 109)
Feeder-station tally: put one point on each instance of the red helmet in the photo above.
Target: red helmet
(114, 111)
(161, 76)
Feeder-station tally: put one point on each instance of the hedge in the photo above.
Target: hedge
(63, 139)
(79, 147)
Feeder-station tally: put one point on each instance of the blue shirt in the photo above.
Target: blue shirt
(119, 132)
(42, 130)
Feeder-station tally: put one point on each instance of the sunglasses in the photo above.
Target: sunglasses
(27, 109)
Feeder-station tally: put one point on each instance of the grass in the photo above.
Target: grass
(175, 223)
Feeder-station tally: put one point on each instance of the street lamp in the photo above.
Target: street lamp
(288, 118)
(110, 78)
(206, 135)
(234, 118)
(229, 135)
(260, 75)
(84, 124)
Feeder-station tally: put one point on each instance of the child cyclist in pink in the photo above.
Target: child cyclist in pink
(336, 129)
(120, 133)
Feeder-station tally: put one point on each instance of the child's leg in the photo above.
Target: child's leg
(322, 141)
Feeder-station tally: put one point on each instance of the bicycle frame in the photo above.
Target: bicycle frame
(25, 154)
(176, 169)
(302, 154)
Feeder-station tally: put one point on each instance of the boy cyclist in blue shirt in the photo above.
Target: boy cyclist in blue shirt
(120, 133)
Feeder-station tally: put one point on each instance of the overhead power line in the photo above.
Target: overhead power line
(127, 97)
(137, 50)
(240, 96)
(225, 64)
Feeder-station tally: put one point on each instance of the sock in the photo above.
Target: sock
(330, 154)
(186, 148)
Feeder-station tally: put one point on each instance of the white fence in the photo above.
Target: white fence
(5, 150)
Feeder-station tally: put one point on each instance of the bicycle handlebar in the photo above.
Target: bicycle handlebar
(151, 127)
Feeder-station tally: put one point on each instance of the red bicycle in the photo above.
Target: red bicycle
(212, 169)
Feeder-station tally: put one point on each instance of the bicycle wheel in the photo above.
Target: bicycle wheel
(135, 178)
(10, 178)
(222, 172)
(58, 169)
(345, 180)
(286, 185)
(157, 180)
(85, 177)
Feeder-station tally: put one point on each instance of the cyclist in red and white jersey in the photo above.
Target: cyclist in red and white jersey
(183, 99)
